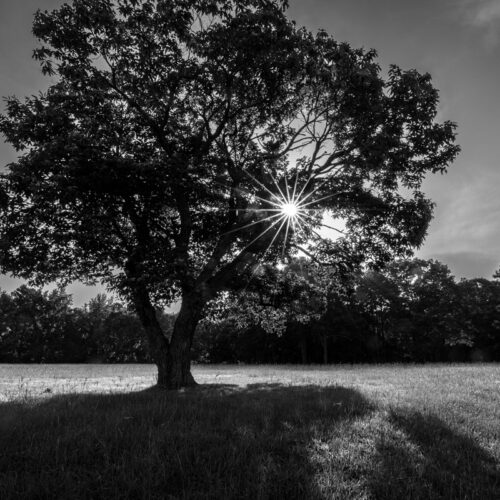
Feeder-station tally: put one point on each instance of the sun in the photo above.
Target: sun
(289, 209)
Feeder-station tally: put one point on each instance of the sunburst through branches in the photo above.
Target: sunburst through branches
(291, 209)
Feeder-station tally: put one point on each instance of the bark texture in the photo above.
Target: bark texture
(157, 340)
(171, 356)
(178, 366)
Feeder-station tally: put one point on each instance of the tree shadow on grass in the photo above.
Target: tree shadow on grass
(421, 457)
(217, 441)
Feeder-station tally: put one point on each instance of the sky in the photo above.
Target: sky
(456, 41)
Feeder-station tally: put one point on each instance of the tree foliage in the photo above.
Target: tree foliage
(44, 327)
(37, 326)
(413, 310)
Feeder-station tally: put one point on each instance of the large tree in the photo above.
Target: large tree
(182, 142)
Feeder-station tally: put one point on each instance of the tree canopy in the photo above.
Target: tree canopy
(184, 142)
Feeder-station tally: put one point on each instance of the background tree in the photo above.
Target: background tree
(301, 300)
(410, 309)
(478, 314)
(432, 305)
(39, 326)
(379, 299)
(185, 141)
(114, 333)
(280, 301)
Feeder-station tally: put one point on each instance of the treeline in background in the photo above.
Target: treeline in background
(412, 311)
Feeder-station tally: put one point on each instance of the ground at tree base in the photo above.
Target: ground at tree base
(359, 432)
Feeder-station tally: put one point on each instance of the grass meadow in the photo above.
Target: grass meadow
(266, 432)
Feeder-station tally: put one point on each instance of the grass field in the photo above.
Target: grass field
(346, 432)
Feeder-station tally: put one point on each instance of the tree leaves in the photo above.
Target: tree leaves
(171, 126)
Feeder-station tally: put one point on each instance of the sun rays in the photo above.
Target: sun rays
(285, 210)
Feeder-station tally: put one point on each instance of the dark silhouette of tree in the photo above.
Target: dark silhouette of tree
(379, 300)
(170, 154)
(114, 333)
(410, 308)
(478, 314)
(298, 300)
(38, 326)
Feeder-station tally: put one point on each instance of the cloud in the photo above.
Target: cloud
(465, 230)
(484, 15)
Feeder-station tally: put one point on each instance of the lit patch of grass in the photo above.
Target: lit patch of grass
(382, 432)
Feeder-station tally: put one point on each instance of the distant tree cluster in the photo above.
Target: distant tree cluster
(412, 310)
(43, 327)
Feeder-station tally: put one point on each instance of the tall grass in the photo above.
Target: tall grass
(253, 433)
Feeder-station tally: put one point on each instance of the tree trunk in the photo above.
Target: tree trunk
(324, 344)
(172, 358)
(158, 342)
(178, 366)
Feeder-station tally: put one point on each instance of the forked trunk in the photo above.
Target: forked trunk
(172, 358)
(157, 340)
(176, 372)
